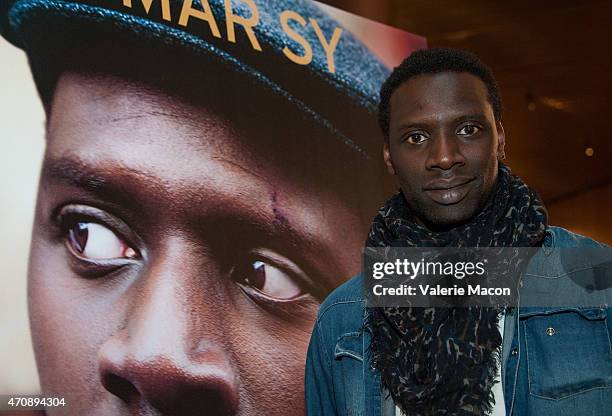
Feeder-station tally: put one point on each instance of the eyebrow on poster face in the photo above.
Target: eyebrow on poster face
(139, 198)
(137, 189)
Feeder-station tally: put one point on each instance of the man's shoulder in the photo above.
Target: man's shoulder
(565, 253)
(563, 238)
(344, 305)
(349, 293)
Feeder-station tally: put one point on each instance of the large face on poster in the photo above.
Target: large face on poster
(210, 171)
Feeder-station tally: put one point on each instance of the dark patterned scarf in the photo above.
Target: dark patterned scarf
(444, 361)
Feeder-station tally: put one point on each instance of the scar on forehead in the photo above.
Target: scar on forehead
(148, 114)
(280, 220)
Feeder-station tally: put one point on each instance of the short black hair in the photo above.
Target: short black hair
(434, 61)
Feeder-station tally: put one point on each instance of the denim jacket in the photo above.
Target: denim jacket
(569, 373)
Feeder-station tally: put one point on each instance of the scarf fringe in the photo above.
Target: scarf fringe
(382, 359)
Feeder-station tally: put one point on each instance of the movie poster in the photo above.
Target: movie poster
(190, 180)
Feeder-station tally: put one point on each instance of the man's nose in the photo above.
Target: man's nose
(160, 359)
(444, 153)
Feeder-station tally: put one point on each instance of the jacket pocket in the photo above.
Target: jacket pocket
(348, 357)
(569, 351)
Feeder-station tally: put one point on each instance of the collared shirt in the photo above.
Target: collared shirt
(499, 409)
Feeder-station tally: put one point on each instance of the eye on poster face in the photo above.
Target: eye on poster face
(207, 173)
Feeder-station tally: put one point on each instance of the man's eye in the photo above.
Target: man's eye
(416, 138)
(94, 241)
(468, 130)
(269, 280)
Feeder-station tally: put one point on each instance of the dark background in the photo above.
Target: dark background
(553, 62)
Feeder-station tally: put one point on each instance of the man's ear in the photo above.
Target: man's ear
(501, 141)
(387, 158)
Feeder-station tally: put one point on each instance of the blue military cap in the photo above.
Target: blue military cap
(346, 96)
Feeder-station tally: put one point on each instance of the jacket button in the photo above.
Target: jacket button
(550, 331)
(514, 351)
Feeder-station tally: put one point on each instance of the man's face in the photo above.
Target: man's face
(443, 145)
(177, 260)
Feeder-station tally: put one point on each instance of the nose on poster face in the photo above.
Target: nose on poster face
(159, 360)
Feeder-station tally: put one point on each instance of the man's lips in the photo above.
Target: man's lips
(448, 191)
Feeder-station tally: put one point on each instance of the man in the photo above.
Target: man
(193, 195)
(440, 112)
